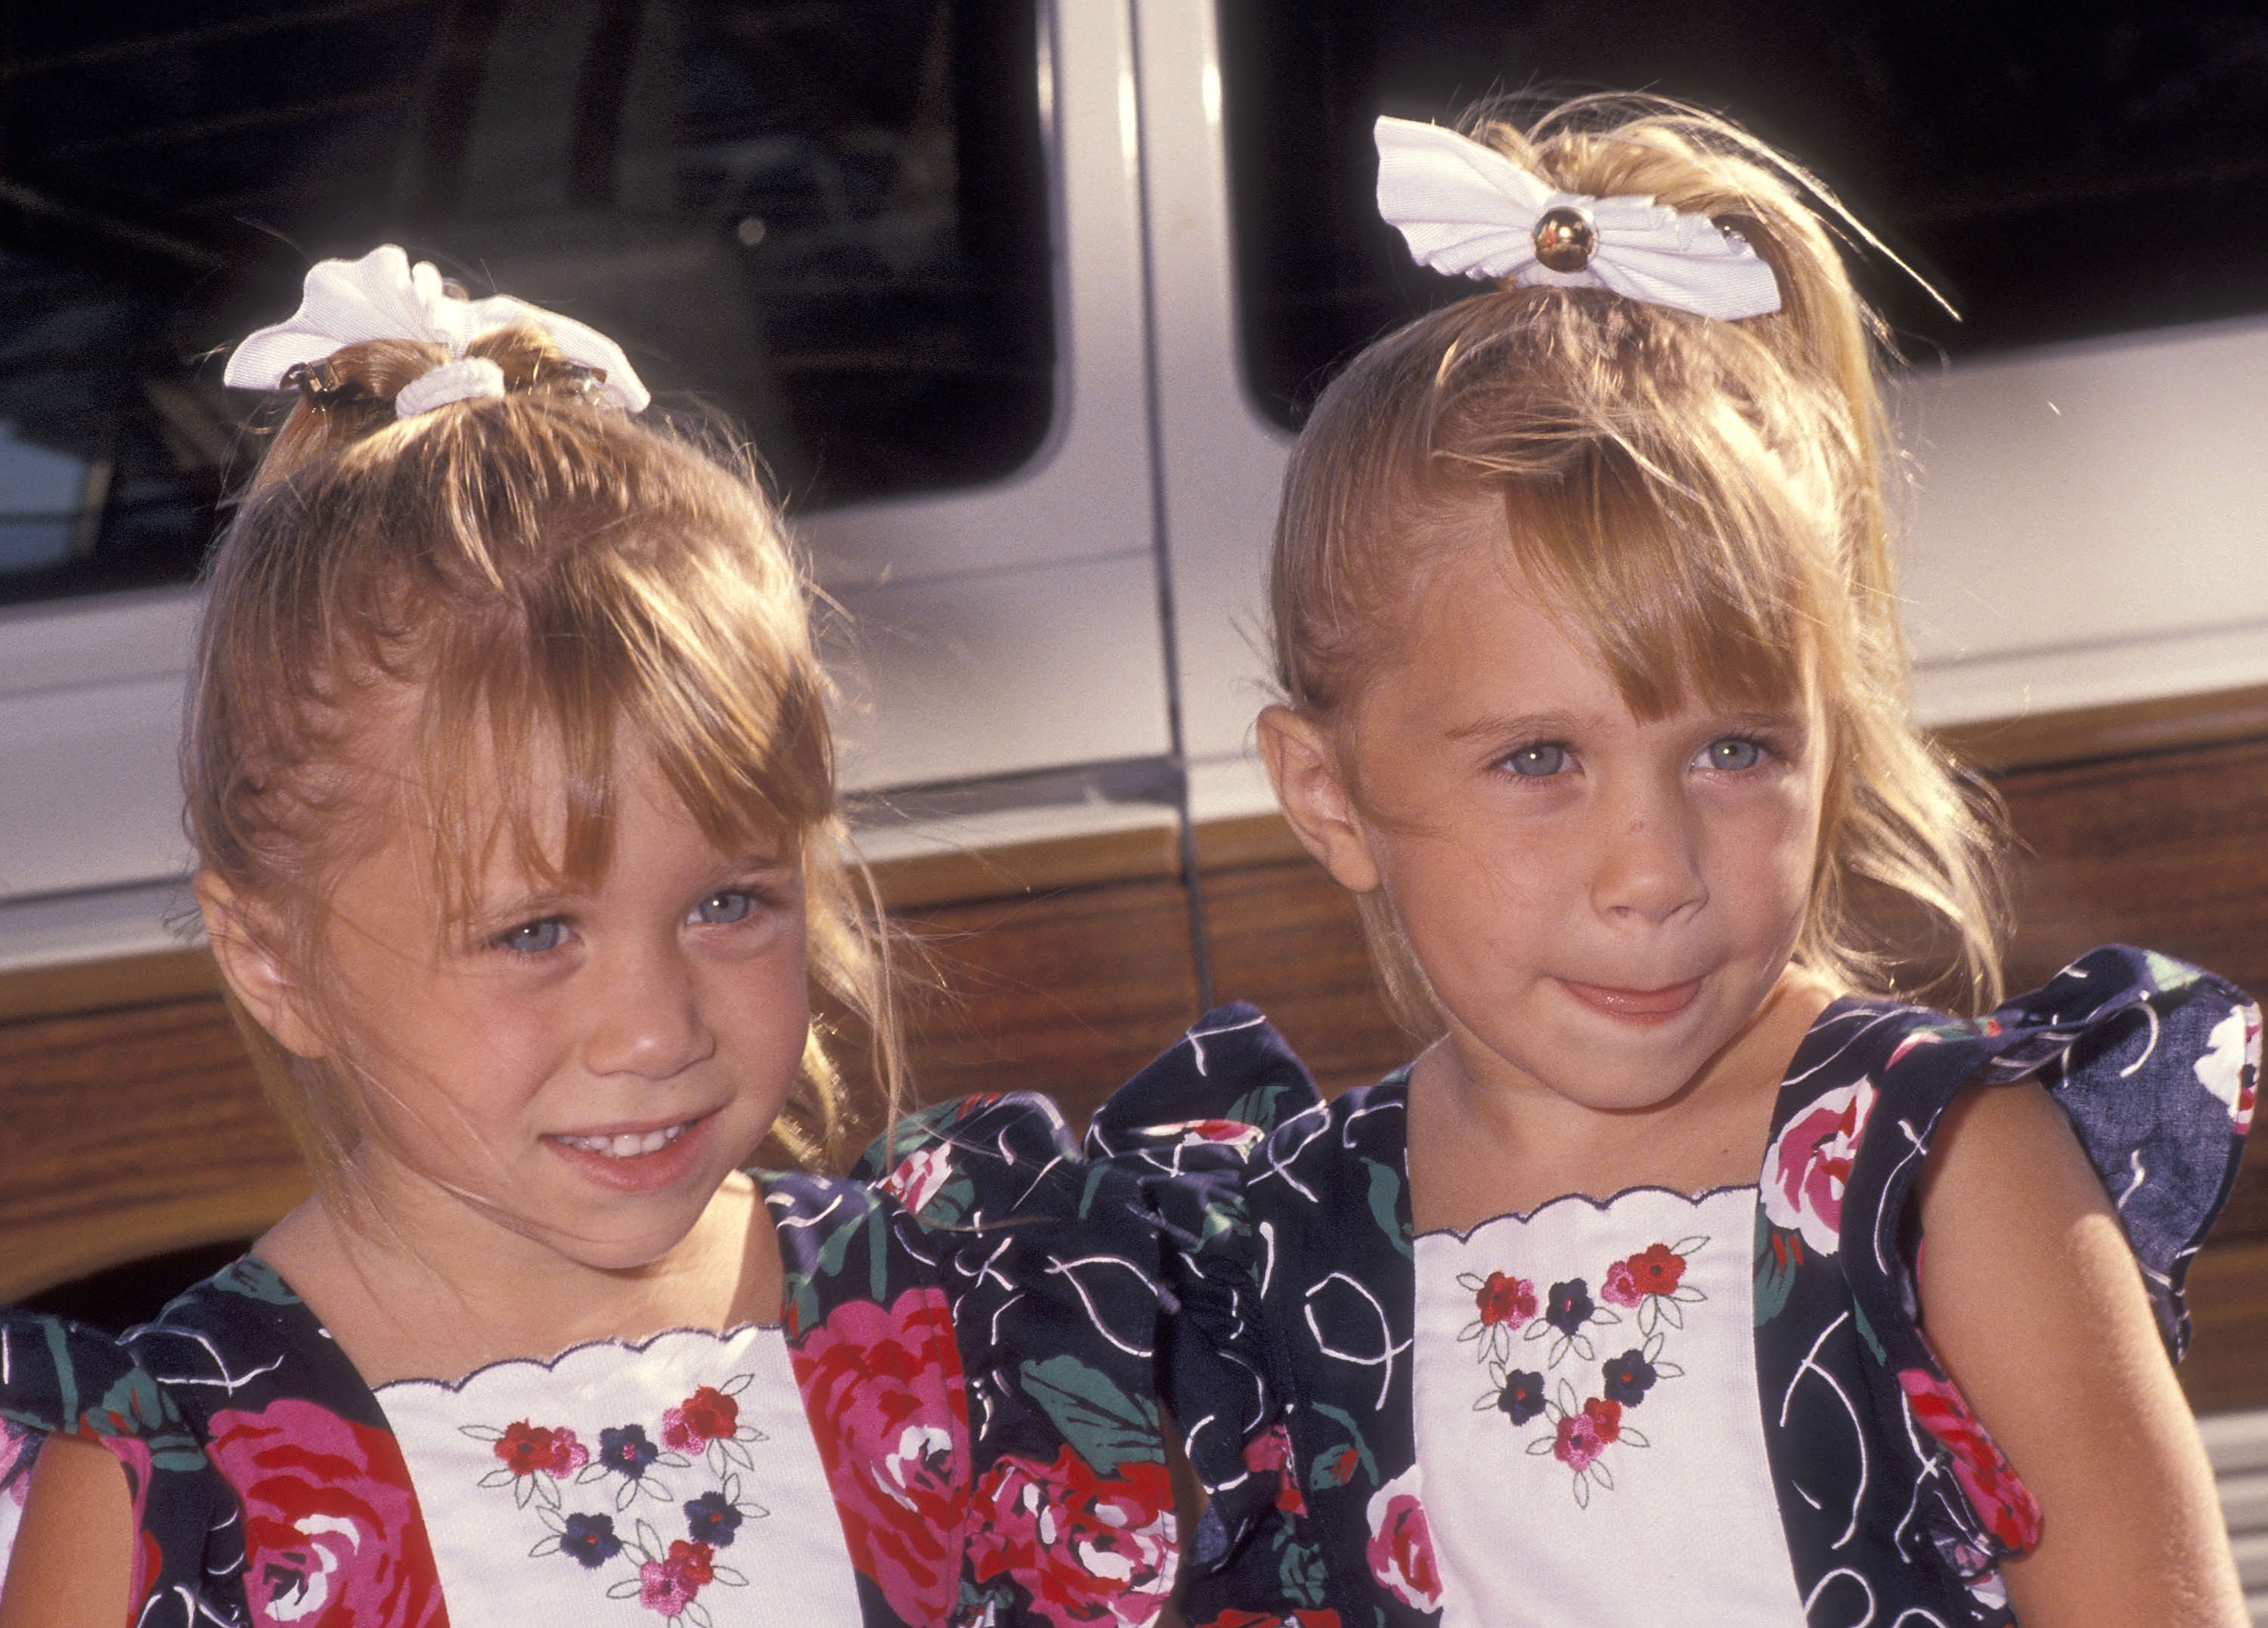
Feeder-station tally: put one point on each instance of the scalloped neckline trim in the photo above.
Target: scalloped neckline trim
(635, 1347)
(1600, 1205)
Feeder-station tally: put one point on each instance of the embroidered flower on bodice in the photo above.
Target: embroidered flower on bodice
(1579, 1424)
(693, 1473)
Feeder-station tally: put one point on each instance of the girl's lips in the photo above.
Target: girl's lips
(1642, 1006)
(635, 1162)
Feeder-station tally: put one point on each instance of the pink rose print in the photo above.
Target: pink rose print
(1087, 1549)
(1269, 1454)
(1402, 1545)
(331, 1529)
(15, 1447)
(525, 1449)
(890, 1410)
(670, 1584)
(2004, 1506)
(707, 1415)
(1658, 1270)
(1810, 1164)
(2230, 1068)
(1581, 1437)
(920, 1176)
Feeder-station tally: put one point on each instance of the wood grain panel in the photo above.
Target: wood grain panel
(130, 1132)
(1069, 993)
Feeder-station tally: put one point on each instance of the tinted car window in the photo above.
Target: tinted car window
(2057, 173)
(825, 221)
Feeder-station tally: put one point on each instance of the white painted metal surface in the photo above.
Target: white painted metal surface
(2086, 526)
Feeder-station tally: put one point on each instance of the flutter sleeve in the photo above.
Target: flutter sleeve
(1188, 1128)
(1049, 1262)
(2155, 1064)
(57, 1377)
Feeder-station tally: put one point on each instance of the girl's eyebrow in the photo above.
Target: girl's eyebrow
(1515, 726)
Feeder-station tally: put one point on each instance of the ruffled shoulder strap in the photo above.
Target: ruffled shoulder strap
(323, 1508)
(979, 1274)
(2154, 1063)
(58, 1377)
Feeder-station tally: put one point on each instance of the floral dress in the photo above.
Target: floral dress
(969, 1337)
(1290, 1357)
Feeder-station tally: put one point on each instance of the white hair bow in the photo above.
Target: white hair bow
(1468, 210)
(381, 296)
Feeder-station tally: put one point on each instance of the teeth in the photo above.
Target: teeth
(629, 1145)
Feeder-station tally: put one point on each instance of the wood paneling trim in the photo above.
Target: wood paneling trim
(2126, 729)
(967, 875)
(107, 985)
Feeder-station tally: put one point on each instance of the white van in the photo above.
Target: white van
(1020, 302)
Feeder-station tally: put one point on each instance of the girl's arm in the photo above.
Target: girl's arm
(2031, 1298)
(72, 1566)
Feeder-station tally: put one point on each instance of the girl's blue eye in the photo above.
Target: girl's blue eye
(534, 938)
(1538, 762)
(721, 909)
(1732, 753)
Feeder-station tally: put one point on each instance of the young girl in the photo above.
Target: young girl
(512, 786)
(1680, 1279)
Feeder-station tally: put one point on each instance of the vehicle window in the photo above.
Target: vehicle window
(2104, 170)
(825, 221)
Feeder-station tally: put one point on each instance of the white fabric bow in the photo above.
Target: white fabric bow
(1468, 210)
(381, 296)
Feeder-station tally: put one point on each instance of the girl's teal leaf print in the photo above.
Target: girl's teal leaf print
(2167, 973)
(1257, 1106)
(1385, 1203)
(1867, 1333)
(1779, 1253)
(1105, 1426)
(255, 1279)
(1301, 1572)
(1332, 1468)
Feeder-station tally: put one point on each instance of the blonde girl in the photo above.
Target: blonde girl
(1685, 1277)
(512, 786)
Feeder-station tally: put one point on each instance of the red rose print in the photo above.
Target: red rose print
(1401, 1545)
(1505, 1300)
(1085, 1549)
(1263, 1619)
(526, 1449)
(1658, 1270)
(331, 1528)
(1269, 1454)
(694, 1562)
(707, 1415)
(890, 1410)
(1810, 1162)
(920, 1176)
(2003, 1503)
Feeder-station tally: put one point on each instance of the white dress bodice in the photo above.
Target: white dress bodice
(1588, 1419)
(677, 1476)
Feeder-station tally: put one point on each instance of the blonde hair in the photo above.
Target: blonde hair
(1706, 496)
(535, 571)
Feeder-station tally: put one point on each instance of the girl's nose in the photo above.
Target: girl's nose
(645, 1019)
(1648, 869)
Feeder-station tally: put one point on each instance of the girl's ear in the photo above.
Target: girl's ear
(242, 932)
(1303, 765)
